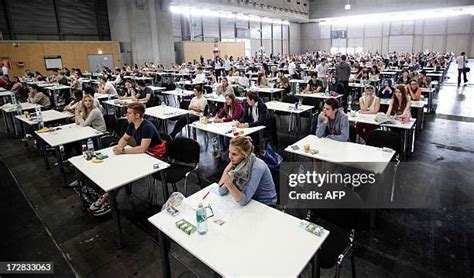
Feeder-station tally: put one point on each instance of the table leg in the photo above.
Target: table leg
(60, 164)
(260, 138)
(116, 218)
(315, 271)
(165, 258)
(298, 125)
(14, 125)
(42, 149)
(405, 138)
(5, 115)
(166, 193)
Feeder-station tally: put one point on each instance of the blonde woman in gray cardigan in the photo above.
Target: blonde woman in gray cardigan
(87, 114)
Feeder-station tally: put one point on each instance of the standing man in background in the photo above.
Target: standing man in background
(461, 60)
(343, 72)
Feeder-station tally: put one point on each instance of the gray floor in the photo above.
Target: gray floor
(405, 243)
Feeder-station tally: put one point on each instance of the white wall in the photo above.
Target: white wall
(295, 38)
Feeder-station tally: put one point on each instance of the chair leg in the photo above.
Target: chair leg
(175, 189)
(351, 253)
(199, 180)
(185, 186)
(394, 181)
(338, 270)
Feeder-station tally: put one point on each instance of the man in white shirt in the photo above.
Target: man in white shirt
(244, 80)
(106, 87)
(292, 67)
(461, 60)
(200, 76)
(322, 70)
(5, 70)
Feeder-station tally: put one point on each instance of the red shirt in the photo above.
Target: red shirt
(3, 83)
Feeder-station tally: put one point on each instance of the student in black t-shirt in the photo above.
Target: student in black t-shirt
(143, 131)
(145, 94)
(146, 136)
(314, 85)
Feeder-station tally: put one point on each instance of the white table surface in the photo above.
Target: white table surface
(189, 83)
(347, 153)
(370, 119)
(8, 107)
(287, 107)
(255, 240)
(414, 104)
(224, 128)
(220, 98)
(119, 102)
(4, 93)
(181, 93)
(266, 90)
(67, 134)
(48, 116)
(101, 96)
(117, 170)
(318, 95)
(60, 87)
(154, 88)
(166, 112)
(2, 89)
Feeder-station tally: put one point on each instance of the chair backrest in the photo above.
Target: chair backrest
(206, 110)
(110, 123)
(352, 134)
(166, 137)
(208, 89)
(121, 127)
(184, 149)
(311, 101)
(382, 138)
(290, 99)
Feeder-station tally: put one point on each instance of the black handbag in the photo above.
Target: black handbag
(466, 69)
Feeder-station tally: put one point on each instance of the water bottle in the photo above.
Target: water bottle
(40, 119)
(301, 171)
(90, 145)
(297, 87)
(18, 108)
(84, 150)
(13, 98)
(109, 97)
(201, 219)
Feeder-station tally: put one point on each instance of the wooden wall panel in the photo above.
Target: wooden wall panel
(192, 50)
(74, 54)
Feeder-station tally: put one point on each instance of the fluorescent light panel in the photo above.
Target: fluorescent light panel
(398, 16)
(209, 13)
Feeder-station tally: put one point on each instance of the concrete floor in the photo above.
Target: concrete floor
(435, 242)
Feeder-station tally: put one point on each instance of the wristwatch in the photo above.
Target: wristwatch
(123, 150)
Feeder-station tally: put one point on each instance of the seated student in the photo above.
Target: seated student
(333, 123)
(247, 176)
(283, 83)
(75, 102)
(423, 80)
(369, 104)
(244, 81)
(106, 87)
(90, 91)
(196, 107)
(200, 76)
(145, 135)
(224, 88)
(144, 94)
(62, 80)
(314, 85)
(36, 97)
(212, 77)
(365, 80)
(129, 91)
(262, 81)
(16, 85)
(232, 111)
(359, 72)
(335, 86)
(405, 78)
(386, 91)
(413, 90)
(39, 76)
(86, 114)
(399, 103)
(76, 83)
(255, 112)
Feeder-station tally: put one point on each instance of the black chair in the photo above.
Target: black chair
(183, 154)
(342, 223)
(290, 100)
(110, 138)
(121, 127)
(312, 114)
(352, 134)
(387, 139)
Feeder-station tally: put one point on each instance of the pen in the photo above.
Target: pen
(220, 185)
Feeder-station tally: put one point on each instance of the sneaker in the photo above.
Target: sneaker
(73, 184)
(99, 203)
(104, 209)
